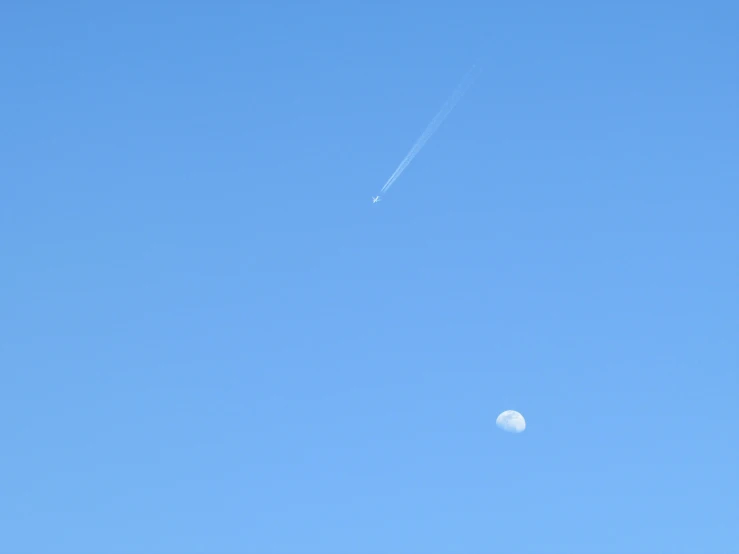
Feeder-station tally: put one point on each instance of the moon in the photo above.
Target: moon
(511, 421)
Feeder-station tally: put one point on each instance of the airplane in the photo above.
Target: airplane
(375, 199)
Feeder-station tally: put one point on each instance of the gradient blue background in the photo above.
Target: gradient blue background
(211, 340)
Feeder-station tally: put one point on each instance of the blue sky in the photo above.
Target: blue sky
(212, 341)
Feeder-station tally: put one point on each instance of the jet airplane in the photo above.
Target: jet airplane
(375, 199)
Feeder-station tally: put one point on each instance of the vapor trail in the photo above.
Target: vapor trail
(433, 126)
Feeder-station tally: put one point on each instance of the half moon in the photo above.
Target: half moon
(511, 421)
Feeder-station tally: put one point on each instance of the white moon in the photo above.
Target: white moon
(511, 421)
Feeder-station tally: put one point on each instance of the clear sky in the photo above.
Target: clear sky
(212, 341)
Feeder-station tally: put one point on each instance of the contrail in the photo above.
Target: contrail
(446, 109)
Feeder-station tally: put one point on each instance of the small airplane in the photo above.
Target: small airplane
(375, 199)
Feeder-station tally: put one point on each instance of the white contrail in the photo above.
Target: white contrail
(433, 126)
(431, 129)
